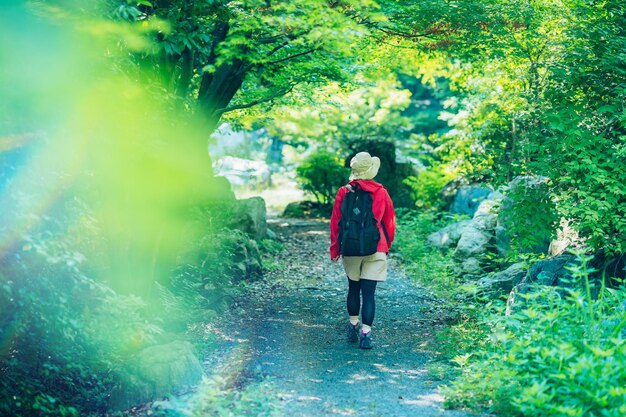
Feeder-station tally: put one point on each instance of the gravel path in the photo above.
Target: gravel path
(293, 326)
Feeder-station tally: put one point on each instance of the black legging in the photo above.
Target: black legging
(367, 287)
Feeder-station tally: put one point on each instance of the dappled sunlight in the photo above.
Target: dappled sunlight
(426, 400)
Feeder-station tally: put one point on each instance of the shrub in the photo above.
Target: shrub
(564, 354)
(321, 174)
(423, 263)
(427, 186)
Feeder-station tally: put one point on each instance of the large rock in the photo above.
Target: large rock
(156, 372)
(551, 271)
(448, 236)
(470, 267)
(503, 282)
(476, 237)
(251, 217)
(468, 198)
(474, 241)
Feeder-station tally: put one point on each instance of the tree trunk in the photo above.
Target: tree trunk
(217, 90)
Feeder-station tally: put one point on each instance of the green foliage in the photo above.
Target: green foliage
(561, 354)
(214, 398)
(542, 95)
(423, 263)
(529, 215)
(321, 174)
(427, 185)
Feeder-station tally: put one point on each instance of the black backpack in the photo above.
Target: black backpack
(358, 230)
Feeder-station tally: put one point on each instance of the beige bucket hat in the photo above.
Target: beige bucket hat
(364, 166)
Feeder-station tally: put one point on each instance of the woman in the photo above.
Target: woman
(364, 272)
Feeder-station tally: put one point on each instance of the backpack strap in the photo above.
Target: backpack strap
(351, 189)
(385, 232)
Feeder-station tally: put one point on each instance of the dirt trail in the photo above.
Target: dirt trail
(293, 327)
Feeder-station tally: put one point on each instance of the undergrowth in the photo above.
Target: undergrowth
(562, 351)
(423, 263)
(562, 354)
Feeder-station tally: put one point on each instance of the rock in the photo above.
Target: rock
(551, 271)
(247, 260)
(468, 198)
(476, 238)
(251, 217)
(156, 372)
(473, 242)
(477, 234)
(503, 282)
(449, 191)
(470, 266)
(448, 236)
(503, 241)
(566, 237)
(485, 217)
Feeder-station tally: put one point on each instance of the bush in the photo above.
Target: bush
(562, 355)
(425, 264)
(427, 186)
(321, 174)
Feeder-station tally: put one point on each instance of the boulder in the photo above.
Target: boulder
(478, 233)
(251, 217)
(551, 271)
(448, 236)
(449, 191)
(474, 241)
(156, 372)
(503, 282)
(470, 266)
(468, 198)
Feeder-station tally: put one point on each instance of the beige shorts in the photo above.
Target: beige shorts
(372, 267)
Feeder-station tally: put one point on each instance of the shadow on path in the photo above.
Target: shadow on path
(294, 325)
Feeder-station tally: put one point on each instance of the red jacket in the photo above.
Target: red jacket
(382, 208)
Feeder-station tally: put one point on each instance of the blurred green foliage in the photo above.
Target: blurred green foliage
(107, 237)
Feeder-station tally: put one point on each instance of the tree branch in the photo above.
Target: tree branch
(278, 61)
(401, 34)
(253, 103)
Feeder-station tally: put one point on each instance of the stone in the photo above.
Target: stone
(155, 372)
(468, 198)
(485, 217)
(566, 237)
(470, 266)
(474, 241)
(448, 236)
(551, 271)
(449, 191)
(504, 281)
(252, 217)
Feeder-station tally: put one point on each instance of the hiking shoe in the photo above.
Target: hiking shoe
(353, 332)
(365, 340)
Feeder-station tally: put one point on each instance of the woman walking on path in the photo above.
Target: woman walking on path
(363, 272)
